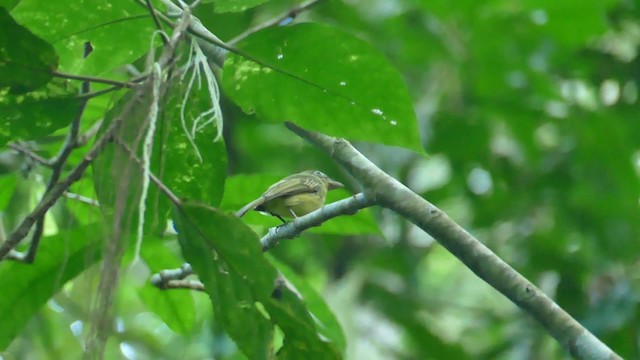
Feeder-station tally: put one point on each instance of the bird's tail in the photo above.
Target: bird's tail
(250, 206)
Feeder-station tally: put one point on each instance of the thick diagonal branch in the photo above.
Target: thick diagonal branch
(392, 194)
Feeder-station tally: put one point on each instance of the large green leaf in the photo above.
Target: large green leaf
(196, 171)
(117, 178)
(34, 115)
(226, 255)
(8, 4)
(323, 79)
(26, 61)
(25, 288)
(327, 323)
(119, 30)
(230, 265)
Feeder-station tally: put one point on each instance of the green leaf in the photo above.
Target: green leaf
(117, 178)
(241, 189)
(9, 4)
(223, 6)
(119, 31)
(26, 288)
(26, 61)
(301, 331)
(194, 171)
(323, 79)
(226, 256)
(7, 186)
(33, 115)
(327, 323)
(227, 259)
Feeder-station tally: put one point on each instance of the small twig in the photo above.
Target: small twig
(292, 229)
(94, 94)
(22, 149)
(133, 82)
(80, 198)
(157, 182)
(93, 79)
(172, 274)
(179, 31)
(215, 53)
(84, 137)
(184, 284)
(176, 279)
(156, 21)
(290, 14)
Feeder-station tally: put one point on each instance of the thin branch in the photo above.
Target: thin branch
(155, 180)
(176, 279)
(172, 274)
(93, 79)
(99, 92)
(24, 150)
(82, 199)
(290, 14)
(211, 47)
(392, 194)
(91, 132)
(184, 284)
(290, 230)
(156, 21)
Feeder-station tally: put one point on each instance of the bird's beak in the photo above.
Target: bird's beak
(334, 184)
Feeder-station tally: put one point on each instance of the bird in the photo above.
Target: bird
(293, 196)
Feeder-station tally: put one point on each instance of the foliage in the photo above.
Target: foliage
(528, 111)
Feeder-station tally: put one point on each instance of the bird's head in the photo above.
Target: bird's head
(331, 184)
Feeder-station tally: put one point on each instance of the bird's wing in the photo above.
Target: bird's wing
(285, 187)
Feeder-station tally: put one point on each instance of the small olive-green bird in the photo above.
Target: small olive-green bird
(294, 196)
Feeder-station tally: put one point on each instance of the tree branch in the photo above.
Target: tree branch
(24, 150)
(93, 79)
(156, 22)
(290, 230)
(80, 198)
(175, 279)
(393, 195)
